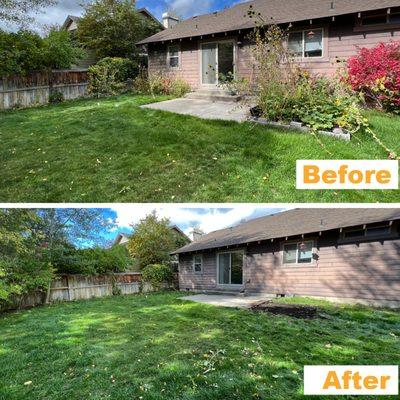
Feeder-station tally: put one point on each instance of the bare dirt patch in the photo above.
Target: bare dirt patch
(291, 310)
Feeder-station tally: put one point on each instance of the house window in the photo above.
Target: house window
(198, 264)
(380, 19)
(306, 44)
(394, 18)
(298, 253)
(377, 230)
(230, 268)
(174, 56)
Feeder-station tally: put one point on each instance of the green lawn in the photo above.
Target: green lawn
(110, 150)
(158, 347)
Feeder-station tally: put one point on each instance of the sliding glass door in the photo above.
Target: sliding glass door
(230, 268)
(209, 64)
(217, 61)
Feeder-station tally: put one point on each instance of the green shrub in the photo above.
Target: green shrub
(56, 98)
(21, 275)
(91, 261)
(159, 84)
(323, 103)
(111, 75)
(157, 274)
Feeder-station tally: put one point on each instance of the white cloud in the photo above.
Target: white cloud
(188, 8)
(208, 219)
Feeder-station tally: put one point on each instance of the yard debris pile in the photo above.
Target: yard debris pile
(291, 310)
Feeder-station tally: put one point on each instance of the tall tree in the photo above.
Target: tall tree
(19, 11)
(23, 265)
(152, 241)
(77, 226)
(113, 27)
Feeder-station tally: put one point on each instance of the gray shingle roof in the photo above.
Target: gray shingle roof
(291, 223)
(278, 11)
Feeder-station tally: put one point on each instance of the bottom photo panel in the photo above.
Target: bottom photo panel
(184, 302)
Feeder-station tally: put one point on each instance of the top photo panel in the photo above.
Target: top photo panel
(265, 101)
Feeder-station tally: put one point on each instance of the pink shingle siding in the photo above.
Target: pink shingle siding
(341, 41)
(366, 270)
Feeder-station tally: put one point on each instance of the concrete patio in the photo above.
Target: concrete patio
(224, 300)
(206, 109)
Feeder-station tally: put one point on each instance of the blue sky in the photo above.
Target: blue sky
(186, 218)
(185, 8)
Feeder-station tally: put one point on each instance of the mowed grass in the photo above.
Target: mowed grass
(110, 150)
(159, 347)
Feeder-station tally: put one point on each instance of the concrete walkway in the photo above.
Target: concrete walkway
(223, 300)
(206, 109)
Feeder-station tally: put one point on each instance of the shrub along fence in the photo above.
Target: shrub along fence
(84, 287)
(38, 87)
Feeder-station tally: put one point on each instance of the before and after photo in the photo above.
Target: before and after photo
(199, 200)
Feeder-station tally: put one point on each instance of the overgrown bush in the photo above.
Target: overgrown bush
(160, 84)
(56, 98)
(376, 74)
(21, 275)
(284, 92)
(91, 261)
(157, 274)
(111, 75)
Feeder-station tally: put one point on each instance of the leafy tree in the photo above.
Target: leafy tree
(17, 11)
(23, 264)
(25, 51)
(79, 226)
(59, 50)
(113, 27)
(152, 241)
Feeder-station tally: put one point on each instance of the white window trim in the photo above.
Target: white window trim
(230, 278)
(297, 264)
(194, 264)
(169, 57)
(303, 31)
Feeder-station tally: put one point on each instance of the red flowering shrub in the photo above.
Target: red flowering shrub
(376, 73)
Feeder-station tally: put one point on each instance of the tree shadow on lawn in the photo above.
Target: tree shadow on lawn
(160, 347)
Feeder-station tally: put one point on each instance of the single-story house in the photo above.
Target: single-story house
(71, 25)
(350, 255)
(322, 33)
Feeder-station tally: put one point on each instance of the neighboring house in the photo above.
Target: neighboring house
(121, 239)
(71, 25)
(339, 254)
(323, 32)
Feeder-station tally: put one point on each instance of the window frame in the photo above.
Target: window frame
(365, 235)
(382, 15)
(194, 263)
(297, 242)
(240, 251)
(178, 56)
(303, 32)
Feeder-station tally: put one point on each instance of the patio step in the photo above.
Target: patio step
(213, 95)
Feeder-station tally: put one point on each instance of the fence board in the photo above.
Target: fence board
(83, 287)
(36, 88)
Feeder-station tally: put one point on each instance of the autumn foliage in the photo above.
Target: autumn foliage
(376, 73)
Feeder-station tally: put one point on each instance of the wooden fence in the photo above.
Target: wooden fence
(83, 287)
(36, 88)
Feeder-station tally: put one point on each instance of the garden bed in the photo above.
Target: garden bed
(291, 310)
(337, 133)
